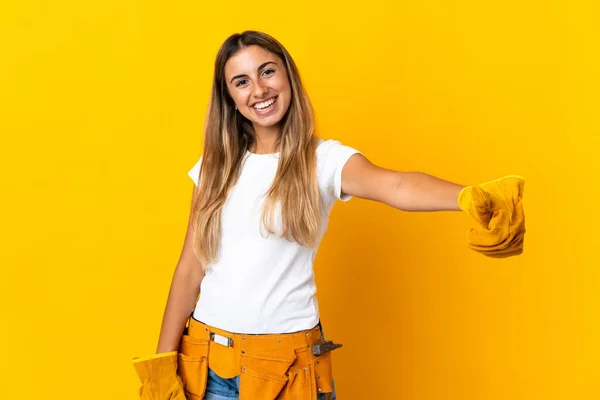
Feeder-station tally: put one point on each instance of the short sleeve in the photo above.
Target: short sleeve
(332, 157)
(194, 173)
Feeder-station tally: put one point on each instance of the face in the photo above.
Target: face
(258, 84)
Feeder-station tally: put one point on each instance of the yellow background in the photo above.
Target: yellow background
(101, 113)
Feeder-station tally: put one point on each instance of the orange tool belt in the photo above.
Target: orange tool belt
(270, 366)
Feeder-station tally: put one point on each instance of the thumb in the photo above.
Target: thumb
(480, 205)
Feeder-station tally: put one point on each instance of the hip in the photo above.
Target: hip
(257, 366)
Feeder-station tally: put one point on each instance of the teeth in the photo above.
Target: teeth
(265, 104)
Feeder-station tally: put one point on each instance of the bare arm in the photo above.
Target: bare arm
(183, 293)
(407, 191)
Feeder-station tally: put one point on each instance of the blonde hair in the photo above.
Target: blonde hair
(227, 137)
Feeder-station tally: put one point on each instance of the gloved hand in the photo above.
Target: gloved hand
(158, 374)
(497, 208)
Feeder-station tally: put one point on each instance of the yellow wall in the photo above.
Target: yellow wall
(101, 109)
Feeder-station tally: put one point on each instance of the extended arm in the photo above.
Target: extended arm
(407, 191)
(495, 207)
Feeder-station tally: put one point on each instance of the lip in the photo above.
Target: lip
(262, 101)
(268, 110)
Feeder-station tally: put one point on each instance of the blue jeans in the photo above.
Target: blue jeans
(218, 388)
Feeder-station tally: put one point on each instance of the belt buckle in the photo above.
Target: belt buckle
(222, 340)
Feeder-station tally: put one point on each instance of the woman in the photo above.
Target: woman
(264, 188)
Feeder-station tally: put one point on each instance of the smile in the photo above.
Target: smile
(266, 106)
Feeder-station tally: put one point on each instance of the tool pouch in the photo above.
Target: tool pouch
(271, 367)
(192, 366)
(300, 375)
(264, 376)
(308, 376)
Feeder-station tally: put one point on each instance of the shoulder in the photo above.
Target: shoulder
(198, 164)
(332, 156)
(333, 151)
(325, 145)
(194, 173)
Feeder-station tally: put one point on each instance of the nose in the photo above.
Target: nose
(260, 90)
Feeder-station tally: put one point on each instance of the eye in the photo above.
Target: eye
(267, 70)
(240, 82)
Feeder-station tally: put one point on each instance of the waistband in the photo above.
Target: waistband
(226, 349)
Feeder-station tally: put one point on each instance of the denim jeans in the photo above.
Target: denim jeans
(218, 388)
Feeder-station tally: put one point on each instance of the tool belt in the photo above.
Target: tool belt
(271, 366)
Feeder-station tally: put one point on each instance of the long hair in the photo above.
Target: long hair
(228, 135)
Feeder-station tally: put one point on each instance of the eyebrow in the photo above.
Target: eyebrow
(258, 69)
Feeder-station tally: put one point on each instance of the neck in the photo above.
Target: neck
(266, 139)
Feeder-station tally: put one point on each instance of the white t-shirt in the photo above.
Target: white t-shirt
(266, 284)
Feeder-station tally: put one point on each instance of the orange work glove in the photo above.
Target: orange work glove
(497, 209)
(158, 374)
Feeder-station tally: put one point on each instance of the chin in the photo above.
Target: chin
(269, 123)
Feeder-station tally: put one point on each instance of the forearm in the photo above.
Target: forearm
(180, 303)
(418, 191)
